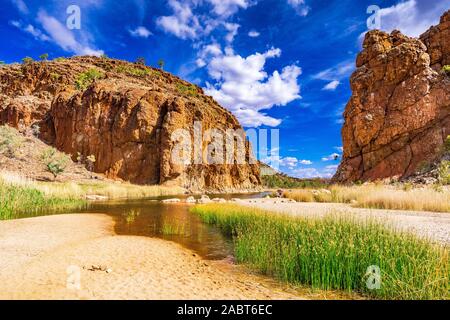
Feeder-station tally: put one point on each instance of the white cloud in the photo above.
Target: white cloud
(412, 17)
(226, 8)
(183, 23)
(141, 31)
(245, 88)
(300, 7)
(305, 173)
(340, 149)
(21, 6)
(288, 164)
(333, 156)
(331, 86)
(232, 29)
(63, 37)
(208, 52)
(338, 72)
(253, 34)
(36, 33)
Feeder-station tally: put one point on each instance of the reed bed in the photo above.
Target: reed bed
(333, 253)
(378, 197)
(20, 195)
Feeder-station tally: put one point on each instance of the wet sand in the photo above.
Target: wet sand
(43, 258)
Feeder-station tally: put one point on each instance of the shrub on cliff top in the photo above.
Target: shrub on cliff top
(85, 79)
(27, 60)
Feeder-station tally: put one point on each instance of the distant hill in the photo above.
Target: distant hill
(272, 178)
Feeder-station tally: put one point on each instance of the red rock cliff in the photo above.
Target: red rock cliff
(125, 119)
(399, 114)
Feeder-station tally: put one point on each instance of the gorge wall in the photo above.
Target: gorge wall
(398, 117)
(125, 118)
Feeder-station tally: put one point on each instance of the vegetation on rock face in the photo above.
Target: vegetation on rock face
(10, 141)
(188, 90)
(333, 253)
(132, 71)
(55, 162)
(85, 79)
(446, 70)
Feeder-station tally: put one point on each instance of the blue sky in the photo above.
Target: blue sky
(281, 64)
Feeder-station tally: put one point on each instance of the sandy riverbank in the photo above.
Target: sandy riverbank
(36, 252)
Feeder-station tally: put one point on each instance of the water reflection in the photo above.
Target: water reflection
(171, 222)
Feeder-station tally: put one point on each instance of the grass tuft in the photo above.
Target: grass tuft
(333, 253)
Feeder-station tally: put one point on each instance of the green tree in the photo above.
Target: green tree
(44, 57)
(161, 63)
(54, 161)
(27, 60)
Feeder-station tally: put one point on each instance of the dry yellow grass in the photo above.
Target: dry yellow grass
(379, 197)
(74, 190)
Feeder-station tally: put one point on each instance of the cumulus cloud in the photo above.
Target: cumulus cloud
(412, 17)
(141, 32)
(246, 89)
(232, 29)
(331, 86)
(300, 7)
(63, 37)
(253, 34)
(340, 149)
(226, 8)
(182, 23)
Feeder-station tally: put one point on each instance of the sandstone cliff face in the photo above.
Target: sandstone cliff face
(398, 117)
(125, 119)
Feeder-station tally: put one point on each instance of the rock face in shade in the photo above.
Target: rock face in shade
(398, 116)
(125, 119)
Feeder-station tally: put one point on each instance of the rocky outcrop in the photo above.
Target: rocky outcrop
(398, 117)
(126, 119)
